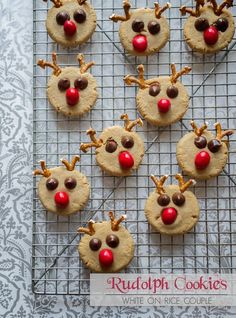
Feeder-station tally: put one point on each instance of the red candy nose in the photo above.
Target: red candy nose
(61, 199)
(140, 43)
(211, 35)
(126, 160)
(106, 257)
(168, 215)
(202, 160)
(70, 28)
(72, 96)
(164, 105)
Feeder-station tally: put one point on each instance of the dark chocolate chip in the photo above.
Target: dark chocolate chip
(200, 142)
(154, 27)
(127, 141)
(111, 145)
(64, 84)
(80, 16)
(154, 89)
(70, 183)
(163, 200)
(95, 244)
(137, 25)
(172, 91)
(222, 24)
(201, 24)
(62, 17)
(51, 183)
(178, 198)
(81, 83)
(112, 240)
(214, 145)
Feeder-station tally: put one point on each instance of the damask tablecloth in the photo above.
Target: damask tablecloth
(16, 298)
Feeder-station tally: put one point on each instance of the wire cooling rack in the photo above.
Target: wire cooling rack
(211, 246)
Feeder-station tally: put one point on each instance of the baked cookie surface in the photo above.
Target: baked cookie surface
(172, 210)
(143, 31)
(210, 28)
(119, 151)
(72, 91)
(202, 155)
(106, 246)
(162, 100)
(63, 190)
(71, 22)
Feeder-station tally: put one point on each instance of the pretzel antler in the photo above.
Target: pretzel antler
(175, 75)
(115, 223)
(192, 12)
(199, 131)
(53, 65)
(126, 7)
(83, 66)
(183, 186)
(95, 142)
(159, 183)
(159, 10)
(81, 2)
(128, 124)
(128, 79)
(89, 230)
(218, 9)
(44, 172)
(71, 166)
(57, 3)
(221, 134)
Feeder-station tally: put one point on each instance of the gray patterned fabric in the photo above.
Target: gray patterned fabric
(16, 298)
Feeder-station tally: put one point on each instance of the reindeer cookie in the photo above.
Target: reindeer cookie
(202, 155)
(162, 100)
(63, 190)
(71, 90)
(143, 31)
(171, 209)
(71, 22)
(119, 150)
(210, 27)
(106, 246)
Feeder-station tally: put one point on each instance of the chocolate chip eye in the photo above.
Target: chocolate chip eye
(81, 83)
(172, 91)
(200, 142)
(214, 145)
(70, 183)
(163, 200)
(112, 240)
(137, 25)
(80, 16)
(154, 27)
(222, 24)
(127, 141)
(62, 17)
(95, 244)
(63, 84)
(178, 198)
(154, 89)
(111, 145)
(201, 24)
(51, 184)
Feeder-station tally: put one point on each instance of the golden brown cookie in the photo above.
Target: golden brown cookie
(172, 210)
(106, 246)
(162, 100)
(143, 31)
(202, 155)
(119, 151)
(71, 22)
(63, 190)
(210, 27)
(71, 90)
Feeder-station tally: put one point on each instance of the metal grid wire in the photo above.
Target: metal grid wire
(210, 247)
